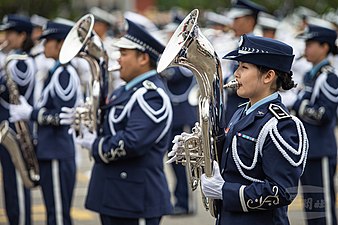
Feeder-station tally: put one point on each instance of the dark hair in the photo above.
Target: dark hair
(28, 43)
(334, 50)
(284, 80)
(332, 47)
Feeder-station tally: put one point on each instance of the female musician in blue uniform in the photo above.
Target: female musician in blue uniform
(55, 148)
(316, 106)
(265, 148)
(128, 185)
(17, 35)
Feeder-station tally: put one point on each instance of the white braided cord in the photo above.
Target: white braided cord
(329, 92)
(238, 161)
(146, 108)
(54, 87)
(26, 78)
(70, 91)
(270, 128)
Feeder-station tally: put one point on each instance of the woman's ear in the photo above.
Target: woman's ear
(326, 47)
(269, 76)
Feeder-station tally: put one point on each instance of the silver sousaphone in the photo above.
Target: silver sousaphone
(188, 47)
(82, 41)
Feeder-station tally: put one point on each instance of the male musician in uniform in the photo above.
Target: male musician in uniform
(55, 146)
(268, 24)
(244, 14)
(128, 185)
(104, 24)
(18, 30)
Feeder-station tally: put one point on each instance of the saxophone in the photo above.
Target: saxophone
(82, 41)
(188, 47)
(19, 144)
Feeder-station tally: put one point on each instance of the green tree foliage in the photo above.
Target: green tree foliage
(279, 6)
(63, 8)
(46, 8)
(189, 5)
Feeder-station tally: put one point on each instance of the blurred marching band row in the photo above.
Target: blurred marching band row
(48, 91)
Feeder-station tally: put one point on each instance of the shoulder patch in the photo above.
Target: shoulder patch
(149, 85)
(327, 69)
(243, 104)
(279, 112)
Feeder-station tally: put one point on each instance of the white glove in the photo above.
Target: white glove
(212, 186)
(21, 111)
(177, 147)
(67, 116)
(87, 139)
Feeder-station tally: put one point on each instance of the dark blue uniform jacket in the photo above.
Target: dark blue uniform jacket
(128, 178)
(263, 158)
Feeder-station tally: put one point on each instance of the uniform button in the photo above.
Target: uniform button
(123, 175)
(101, 130)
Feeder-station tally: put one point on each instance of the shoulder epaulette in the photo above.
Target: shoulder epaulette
(149, 85)
(327, 69)
(278, 112)
(243, 104)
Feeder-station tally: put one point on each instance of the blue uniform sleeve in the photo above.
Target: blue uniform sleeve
(318, 106)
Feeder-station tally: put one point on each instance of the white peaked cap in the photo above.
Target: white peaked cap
(100, 14)
(267, 21)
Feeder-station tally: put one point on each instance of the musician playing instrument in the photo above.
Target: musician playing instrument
(316, 106)
(128, 184)
(18, 41)
(244, 14)
(55, 146)
(264, 147)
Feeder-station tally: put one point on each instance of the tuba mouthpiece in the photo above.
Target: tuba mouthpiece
(231, 84)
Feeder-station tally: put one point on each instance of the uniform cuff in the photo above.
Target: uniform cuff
(35, 115)
(233, 197)
(97, 150)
